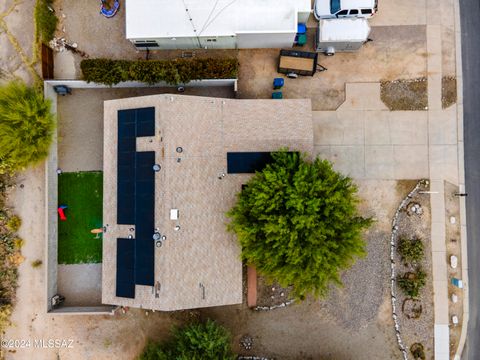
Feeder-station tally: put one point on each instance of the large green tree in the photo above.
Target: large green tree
(26, 126)
(197, 341)
(297, 222)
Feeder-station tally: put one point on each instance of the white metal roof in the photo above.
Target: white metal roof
(351, 29)
(171, 18)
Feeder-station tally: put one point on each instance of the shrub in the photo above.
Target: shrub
(412, 282)
(14, 223)
(18, 243)
(111, 72)
(297, 222)
(26, 125)
(198, 341)
(411, 251)
(417, 351)
(37, 263)
(45, 20)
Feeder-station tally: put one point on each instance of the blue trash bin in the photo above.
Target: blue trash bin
(301, 29)
(278, 83)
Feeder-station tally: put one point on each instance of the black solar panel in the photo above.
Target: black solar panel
(247, 162)
(125, 284)
(126, 167)
(135, 201)
(145, 121)
(144, 218)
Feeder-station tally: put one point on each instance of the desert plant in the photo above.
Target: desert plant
(197, 341)
(37, 263)
(18, 243)
(297, 222)
(178, 71)
(13, 223)
(26, 125)
(45, 20)
(411, 250)
(417, 351)
(412, 282)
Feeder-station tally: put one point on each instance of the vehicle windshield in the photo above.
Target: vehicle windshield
(334, 6)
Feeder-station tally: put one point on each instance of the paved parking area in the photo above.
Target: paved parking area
(366, 141)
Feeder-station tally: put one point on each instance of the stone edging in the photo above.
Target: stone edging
(253, 358)
(268, 308)
(393, 278)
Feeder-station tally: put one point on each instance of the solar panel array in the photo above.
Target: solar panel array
(247, 162)
(135, 201)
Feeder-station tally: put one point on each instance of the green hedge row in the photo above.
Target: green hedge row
(179, 71)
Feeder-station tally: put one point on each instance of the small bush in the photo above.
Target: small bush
(14, 223)
(411, 251)
(45, 20)
(412, 282)
(200, 341)
(18, 243)
(111, 72)
(417, 351)
(37, 263)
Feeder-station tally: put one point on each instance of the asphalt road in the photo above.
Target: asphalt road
(470, 26)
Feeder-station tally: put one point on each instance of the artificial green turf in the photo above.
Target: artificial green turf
(82, 192)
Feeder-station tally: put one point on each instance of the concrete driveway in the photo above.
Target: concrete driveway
(366, 141)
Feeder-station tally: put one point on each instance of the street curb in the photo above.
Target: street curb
(461, 179)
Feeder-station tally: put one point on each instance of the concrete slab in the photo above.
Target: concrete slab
(438, 237)
(349, 160)
(442, 126)
(411, 161)
(408, 127)
(377, 128)
(439, 265)
(379, 162)
(333, 128)
(362, 96)
(444, 162)
(442, 341)
(81, 284)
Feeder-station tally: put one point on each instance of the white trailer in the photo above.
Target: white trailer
(347, 34)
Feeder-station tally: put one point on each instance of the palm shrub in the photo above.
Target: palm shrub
(297, 223)
(26, 126)
(197, 341)
(411, 250)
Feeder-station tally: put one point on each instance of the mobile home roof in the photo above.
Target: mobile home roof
(146, 19)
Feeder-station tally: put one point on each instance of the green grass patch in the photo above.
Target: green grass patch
(45, 20)
(82, 192)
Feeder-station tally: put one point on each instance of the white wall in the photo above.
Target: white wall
(265, 40)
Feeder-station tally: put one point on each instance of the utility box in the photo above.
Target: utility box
(346, 34)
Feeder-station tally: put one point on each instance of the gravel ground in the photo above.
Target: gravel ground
(405, 94)
(453, 243)
(411, 226)
(353, 322)
(449, 91)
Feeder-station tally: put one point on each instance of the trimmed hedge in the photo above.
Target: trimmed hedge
(180, 71)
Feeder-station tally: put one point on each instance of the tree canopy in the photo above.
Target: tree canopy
(26, 126)
(297, 223)
(197, 341)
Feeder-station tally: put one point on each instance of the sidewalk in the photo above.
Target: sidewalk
(445, 164)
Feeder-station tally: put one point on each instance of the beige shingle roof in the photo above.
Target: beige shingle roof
(201, 253)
